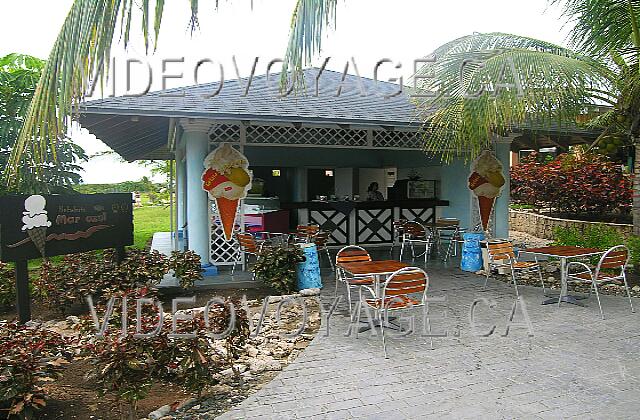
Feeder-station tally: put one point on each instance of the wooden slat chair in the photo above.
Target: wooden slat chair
(398, 233)
(321, 240)
(416, 233)
(351, 253)
(304, 233)
(404, 289)
(502, 255)
(610, 269)
(249, 246)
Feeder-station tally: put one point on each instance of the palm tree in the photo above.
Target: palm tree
(83, 47)
(485, 84)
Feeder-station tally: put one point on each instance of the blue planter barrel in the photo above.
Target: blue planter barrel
(471, 252)
(309, 270)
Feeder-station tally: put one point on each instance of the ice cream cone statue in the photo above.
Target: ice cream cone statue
(486, 182)
(35, 221)
(227, 180)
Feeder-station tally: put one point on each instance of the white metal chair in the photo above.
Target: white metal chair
(397, 234)
(404, 289)
(351, 253)
(502, 255)
(610, 269)
(416, 233)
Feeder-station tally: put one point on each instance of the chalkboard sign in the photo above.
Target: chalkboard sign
(33, 226)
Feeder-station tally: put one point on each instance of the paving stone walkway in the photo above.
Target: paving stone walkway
(575, 365)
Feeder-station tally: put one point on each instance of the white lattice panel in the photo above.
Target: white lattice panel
(421, 215)
(316, 136)
(399, 139)
(221, 251)
(224, 133)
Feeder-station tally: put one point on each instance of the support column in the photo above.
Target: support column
(501, 210)
(181, 184)
(196, 143)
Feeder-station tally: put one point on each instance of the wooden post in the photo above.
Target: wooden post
(23, 301)
(121, 253)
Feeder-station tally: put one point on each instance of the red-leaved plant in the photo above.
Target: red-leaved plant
(29, 357)
(572, 184)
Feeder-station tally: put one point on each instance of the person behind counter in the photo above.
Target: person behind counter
(373, 194)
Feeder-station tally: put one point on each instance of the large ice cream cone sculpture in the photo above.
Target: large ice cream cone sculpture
(227, 180)
(486, 182)
(35, 221)
(227, 209)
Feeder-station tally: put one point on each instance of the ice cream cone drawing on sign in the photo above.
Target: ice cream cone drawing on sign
(35, 221)
(227, 180)
(486, 182)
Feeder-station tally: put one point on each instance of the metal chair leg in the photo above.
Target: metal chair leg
(598, 297)
(513, 277)
(346, 283)
(401, 249)
(384, 341)
(488, 274)
(544, 291)
(626, 286)
(333, 268)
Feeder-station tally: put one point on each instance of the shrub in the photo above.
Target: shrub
(276, 267)
(98, 274)
(30, 356)
(7, 285)
(186, 267)
(129, 365)
(573, 184)
(598, 236)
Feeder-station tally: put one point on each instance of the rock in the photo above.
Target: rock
(252, 351)
(186, 404)
(310, 292)
(636, 288)
(275, 299)
(551, 268)
(264, 363)
(160, 412)
(72, 319)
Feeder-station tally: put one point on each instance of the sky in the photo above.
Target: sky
(366, 32)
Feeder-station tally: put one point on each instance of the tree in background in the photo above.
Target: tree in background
(484, 85)
(83, 47)
(19, 75)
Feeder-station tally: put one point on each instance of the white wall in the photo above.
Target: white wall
(343, 179)
(367, 176)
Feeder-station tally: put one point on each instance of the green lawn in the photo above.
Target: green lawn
(147, 221)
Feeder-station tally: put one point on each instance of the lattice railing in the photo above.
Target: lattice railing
(314, 136)
(397, 139)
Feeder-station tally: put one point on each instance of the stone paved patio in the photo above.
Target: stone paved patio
(575, 365)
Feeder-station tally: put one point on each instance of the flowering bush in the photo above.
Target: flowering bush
(29, 357)
(573, 184)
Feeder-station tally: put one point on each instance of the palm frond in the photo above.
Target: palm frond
(81, 50)
(601, 26)
(517, 80)
(309, 20)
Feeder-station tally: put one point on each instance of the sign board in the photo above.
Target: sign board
(34, 226)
